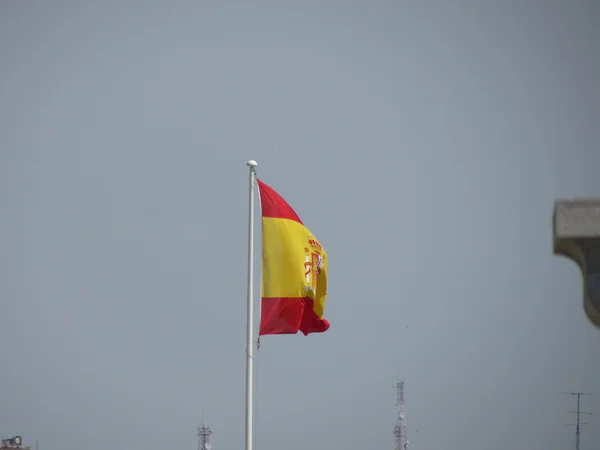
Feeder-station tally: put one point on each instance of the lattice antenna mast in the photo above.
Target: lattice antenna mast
(579, 413)
(204, 433)
(400, 428)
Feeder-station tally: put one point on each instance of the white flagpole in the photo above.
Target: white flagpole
(250, 315)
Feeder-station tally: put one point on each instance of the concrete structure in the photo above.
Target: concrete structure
(577, 236)
(14, 443)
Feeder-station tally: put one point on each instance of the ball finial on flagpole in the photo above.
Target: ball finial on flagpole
(252, 164)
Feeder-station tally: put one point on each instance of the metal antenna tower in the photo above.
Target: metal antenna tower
(204, 433)
(400, 428)
(579, 413)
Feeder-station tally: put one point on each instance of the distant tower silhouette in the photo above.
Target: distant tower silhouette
(579, 413)
(204, 433)
(400, 428)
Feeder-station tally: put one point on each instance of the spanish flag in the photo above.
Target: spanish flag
(294, 271)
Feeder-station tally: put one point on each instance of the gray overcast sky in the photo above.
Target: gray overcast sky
(423, 142)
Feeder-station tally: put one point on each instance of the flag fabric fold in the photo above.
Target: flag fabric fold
(294, 271)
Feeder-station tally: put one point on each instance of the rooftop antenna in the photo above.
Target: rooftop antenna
(204, 433)
(579, 413)
(400, 428)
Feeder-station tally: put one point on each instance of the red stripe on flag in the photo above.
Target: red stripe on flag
(273, 205)
(290, 315)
